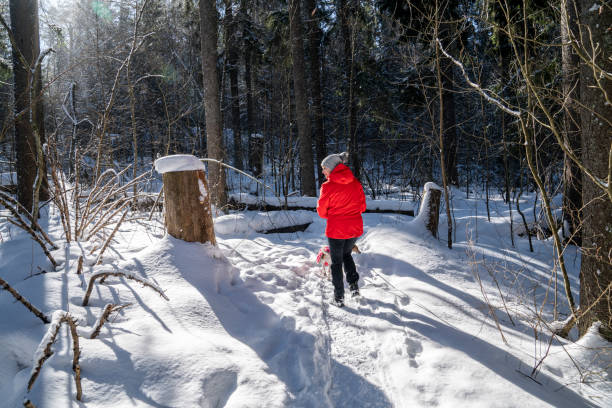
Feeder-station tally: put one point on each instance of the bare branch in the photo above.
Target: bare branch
(497, 101)
(104, 275)
(24, 301)
(110, 237)
(108, 309)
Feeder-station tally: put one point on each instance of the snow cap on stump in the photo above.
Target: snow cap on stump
(178, 162)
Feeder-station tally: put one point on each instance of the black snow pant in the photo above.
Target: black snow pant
(340, 251)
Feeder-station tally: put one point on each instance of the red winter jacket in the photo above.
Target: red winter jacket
(342, 201)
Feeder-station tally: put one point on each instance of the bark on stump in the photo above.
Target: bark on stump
(434, 211)
(187, 206)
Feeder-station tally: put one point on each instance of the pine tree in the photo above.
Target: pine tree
(596, 264)
(212, 108)
(301, 100)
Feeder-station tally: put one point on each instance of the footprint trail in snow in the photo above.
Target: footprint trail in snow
(346, 340)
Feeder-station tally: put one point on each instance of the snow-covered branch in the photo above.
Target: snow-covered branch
(43, 352)
(477, 87)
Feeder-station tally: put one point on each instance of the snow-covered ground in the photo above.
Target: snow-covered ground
(249, 323)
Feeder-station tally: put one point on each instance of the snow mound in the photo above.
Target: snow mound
(178, 162)
(245, 223)
(420, 221)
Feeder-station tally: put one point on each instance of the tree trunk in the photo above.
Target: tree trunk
(231, 46)
(572, 178)
(345, 14)
(24, 24)
(449, 132)
(314, 42)
(187, 206)
(307, 182)
(442, 131)
(596, 269)
(256, 143)
(212, 108)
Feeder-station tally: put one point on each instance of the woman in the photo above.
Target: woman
(341, 202)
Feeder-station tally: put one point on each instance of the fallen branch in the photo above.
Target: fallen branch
(43, 352)
(104, 275)
(24, 301)
(108, 309)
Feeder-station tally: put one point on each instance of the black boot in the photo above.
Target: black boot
(354, 289)
(339, 301)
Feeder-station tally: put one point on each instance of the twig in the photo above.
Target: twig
(24, 301)
(100, 206)
(155, 204)
(110, 237)
(501, 295)
(474, 263)
(17, 209)
(80, 267)
(24, 226)
(108, 309)
(564, 332)
(123, 274)
(108, 216)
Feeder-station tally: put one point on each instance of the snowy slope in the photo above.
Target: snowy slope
(249, 324)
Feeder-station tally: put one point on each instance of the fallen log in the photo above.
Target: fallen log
(291, 228)
(263, 206)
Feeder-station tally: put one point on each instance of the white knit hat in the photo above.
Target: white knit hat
(333, 160)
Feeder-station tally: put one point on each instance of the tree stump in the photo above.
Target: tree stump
(186, 199)
(429, 212)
